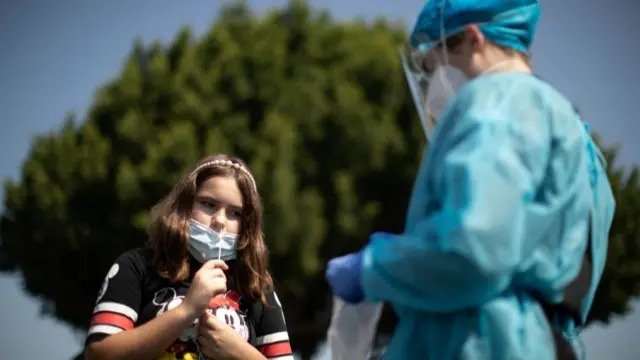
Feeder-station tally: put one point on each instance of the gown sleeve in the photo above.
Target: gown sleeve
(466, 250)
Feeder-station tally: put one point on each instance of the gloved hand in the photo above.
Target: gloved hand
(343, 275)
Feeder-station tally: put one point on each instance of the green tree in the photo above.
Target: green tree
(317, 107)
(621, 279)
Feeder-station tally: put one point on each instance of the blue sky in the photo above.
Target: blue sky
(57, 52)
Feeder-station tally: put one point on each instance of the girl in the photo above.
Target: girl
(200, 287)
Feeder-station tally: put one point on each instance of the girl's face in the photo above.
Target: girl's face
(218, 204)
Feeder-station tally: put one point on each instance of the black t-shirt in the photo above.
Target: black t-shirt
(132, 294)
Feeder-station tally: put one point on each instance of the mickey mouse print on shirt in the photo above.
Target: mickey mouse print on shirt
(132, 295)
(225, 307)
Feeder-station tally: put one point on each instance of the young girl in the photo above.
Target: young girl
(200, 287)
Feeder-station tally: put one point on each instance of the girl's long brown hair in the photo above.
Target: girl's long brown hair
(168, 241)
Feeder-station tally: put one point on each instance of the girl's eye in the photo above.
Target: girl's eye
(208, 203)
(234, 214)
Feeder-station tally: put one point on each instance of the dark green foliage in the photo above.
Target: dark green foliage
(621, 279)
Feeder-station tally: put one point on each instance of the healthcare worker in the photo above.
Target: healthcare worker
(510, 207)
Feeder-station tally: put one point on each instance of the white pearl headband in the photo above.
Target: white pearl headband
(226, 163)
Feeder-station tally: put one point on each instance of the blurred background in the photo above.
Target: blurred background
(104, 103)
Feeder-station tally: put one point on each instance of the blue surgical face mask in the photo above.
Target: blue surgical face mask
(207, 244)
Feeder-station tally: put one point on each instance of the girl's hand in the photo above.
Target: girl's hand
(218, 340)
(208, 282)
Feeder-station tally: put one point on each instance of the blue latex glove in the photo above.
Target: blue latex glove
(343, 275)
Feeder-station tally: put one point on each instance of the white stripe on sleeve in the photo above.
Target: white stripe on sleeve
(104, 329)
(272, 338)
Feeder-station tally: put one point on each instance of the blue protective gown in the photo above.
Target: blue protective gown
(499, 209)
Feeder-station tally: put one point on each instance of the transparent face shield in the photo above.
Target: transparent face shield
(430, 85)
(418, 82)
